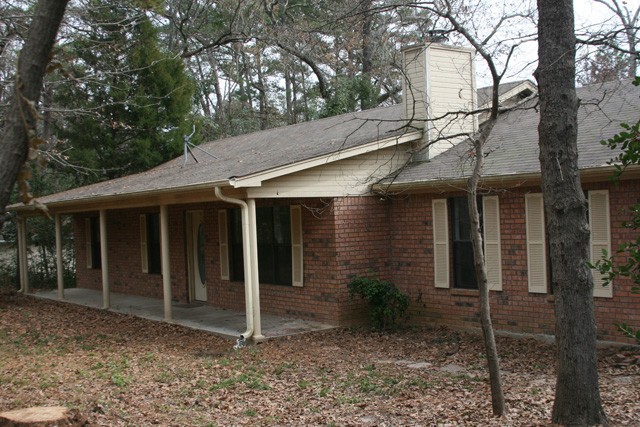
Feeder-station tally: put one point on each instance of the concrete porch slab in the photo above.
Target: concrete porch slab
(228, 323)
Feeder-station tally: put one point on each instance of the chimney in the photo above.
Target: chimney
(439, 82)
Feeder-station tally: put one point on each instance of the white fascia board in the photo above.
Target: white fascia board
(255, 180)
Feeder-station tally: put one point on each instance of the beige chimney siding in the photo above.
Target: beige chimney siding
(439, 81)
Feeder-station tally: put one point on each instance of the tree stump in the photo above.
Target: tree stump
(41, 416)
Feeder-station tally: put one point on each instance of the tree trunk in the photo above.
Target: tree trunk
(262, 92)
(367, 50)
(577, 399)
(42, 416)
(491, 351)
(20, 122)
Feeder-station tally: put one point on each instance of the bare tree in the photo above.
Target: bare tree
(19, 131)
(629, 20)
(577, 399)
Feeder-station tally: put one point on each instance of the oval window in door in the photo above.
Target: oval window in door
(201, 253)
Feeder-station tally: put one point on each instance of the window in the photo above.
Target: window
(537, 247)
(279, 238)
(464, 272)
(236, 260)
(150, 243)
(453, 244)
(92, 233)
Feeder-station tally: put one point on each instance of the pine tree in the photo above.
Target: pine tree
(130, 101)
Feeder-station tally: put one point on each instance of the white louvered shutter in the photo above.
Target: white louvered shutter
(536, 243)
(224, 244)
(600, 237)
(88, 242)
(144, 253)
(491, 228)
(297, 256)
(440, 243)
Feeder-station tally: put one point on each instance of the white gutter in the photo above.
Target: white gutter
(246, 254)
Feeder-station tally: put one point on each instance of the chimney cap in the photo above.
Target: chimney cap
(437, 36)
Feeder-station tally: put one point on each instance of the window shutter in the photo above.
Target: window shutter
(536, 243)
(491, 232)
(297, 264)
(600, 237)
(440, 243)
(224, 244)
(88, 243)
(144, 253)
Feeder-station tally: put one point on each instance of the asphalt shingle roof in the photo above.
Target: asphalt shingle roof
(512, 147)
(250, 154)
(513, 144)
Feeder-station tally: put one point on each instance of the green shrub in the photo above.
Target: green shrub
(386, 302)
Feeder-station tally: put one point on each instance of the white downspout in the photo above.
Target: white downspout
(246, 254)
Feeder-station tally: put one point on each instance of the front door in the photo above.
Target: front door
(196, 254)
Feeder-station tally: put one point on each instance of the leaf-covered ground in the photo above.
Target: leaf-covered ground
(122, 371)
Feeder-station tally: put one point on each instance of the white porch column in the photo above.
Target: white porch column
(166, 266)
(255, 277)
(59, 266)
(23, 261)
(104, 260)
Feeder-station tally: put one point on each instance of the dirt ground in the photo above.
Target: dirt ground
(117, 370)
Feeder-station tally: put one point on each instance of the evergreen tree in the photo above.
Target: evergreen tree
(129, 100)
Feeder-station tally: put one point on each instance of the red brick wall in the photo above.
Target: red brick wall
(514, 309)
(356, 235)
(341, 237)
(323, 297)
(362, 248)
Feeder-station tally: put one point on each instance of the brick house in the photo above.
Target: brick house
(278, 221)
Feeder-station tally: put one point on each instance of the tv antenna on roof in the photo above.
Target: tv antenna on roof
(188, 145)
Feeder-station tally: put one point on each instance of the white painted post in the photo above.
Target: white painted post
(59, 266)
(166, 266)
(23, 261)
(255, 277)
(104, 260)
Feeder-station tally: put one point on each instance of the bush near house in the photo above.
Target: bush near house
(386, 302)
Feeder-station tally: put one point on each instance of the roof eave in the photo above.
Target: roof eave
(142, 198)
(587, 175)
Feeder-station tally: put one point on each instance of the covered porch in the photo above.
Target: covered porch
(219, 321)
(116, 228)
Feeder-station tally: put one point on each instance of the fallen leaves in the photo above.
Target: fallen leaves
(119, 370)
